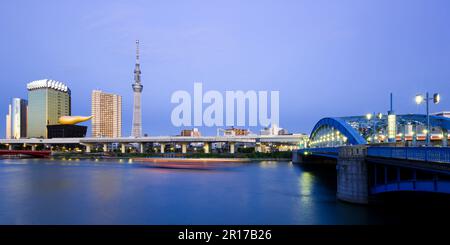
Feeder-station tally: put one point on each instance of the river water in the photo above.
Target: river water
(74, 191)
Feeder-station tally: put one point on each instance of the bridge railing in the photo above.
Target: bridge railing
(428, 154)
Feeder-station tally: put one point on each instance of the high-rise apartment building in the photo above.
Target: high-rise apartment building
(107, 114)
(8, 123)
(16, 120)
(48, 100)
(19, 118)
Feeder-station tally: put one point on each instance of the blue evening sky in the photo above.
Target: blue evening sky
(327, 58)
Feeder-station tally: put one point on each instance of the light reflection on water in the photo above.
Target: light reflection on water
(80, 191)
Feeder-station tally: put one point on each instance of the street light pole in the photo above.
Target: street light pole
(428, 119)
(419, 100)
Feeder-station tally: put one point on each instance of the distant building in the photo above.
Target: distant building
(190, 132)
(8, 123)
(235, 132)
(107, 114)
(283, 131)
(48, 100)
(274, 130)
(18, 118)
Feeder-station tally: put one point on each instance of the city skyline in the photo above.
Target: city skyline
(341, 60)
(274, 115)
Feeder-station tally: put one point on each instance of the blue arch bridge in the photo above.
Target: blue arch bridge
(370, 160)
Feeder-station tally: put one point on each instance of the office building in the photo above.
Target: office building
(16, 120)
(274, 130)
(107, 114)
(19, 118)
(48, 100)
(8, 123)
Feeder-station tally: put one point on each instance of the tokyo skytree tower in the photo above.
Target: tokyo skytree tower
(137, 90)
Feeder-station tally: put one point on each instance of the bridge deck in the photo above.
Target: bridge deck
(425, 154)
(294, 139)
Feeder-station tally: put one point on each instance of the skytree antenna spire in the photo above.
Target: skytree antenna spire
(137, 51)
(137, 90)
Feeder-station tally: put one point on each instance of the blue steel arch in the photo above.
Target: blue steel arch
(435, 121)
(353, 137)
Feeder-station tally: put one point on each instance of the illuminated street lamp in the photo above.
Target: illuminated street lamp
(379, 116)
(419, 100)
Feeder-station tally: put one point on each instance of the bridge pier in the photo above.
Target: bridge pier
(123, 148)
(232, 147)
(10, 147)
(162, 148)
(88, 148)
(183, 148)
(296, 157)
(105, 147)
(141, 148)
(352, 175)
(33, 147)
(207, 147)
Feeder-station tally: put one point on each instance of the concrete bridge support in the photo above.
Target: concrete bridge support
(207, 147)
(296, 157)
(33, 147)
(232, 147)
(352, 175)
(163, 148)
(88, 148)
(184, 148)
(123, 148)
(105, 147)
(141, 148)
(10, 147)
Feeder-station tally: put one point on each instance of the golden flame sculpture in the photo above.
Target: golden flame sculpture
(71, 120)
